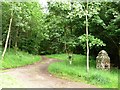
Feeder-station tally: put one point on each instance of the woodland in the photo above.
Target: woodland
(30, 30)
(62, 27)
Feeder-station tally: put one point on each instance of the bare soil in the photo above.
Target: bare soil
(37, 76)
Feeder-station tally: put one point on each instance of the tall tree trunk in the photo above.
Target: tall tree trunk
(6, 43)
(65, 45)
(87, 37)
(16, 40)
(119, 53)
(9, 41)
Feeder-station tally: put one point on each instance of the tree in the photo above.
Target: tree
(3, 54)
(58, 30)
(93, 42)
(87, 37)
(26, 34)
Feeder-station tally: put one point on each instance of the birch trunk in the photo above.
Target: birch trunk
(87, 37)
(6, 43)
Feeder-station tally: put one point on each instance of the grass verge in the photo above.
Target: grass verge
(14, 59)
(77, 71)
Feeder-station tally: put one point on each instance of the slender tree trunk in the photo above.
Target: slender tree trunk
(16, 40)
(87, 37)
(6, 43)
(119, 50)
(65, 45)
(9, 42)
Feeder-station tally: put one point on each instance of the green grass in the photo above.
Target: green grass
(77, 71)
(14, 59)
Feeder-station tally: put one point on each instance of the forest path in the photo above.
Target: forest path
(37, 76)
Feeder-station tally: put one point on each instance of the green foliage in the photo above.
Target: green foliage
(25, 30)
(77, 71)
(54, 32)
(15, 59)
(93, 42)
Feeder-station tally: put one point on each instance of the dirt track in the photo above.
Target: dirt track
(37, 76)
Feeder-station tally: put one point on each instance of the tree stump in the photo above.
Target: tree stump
(103, 60)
